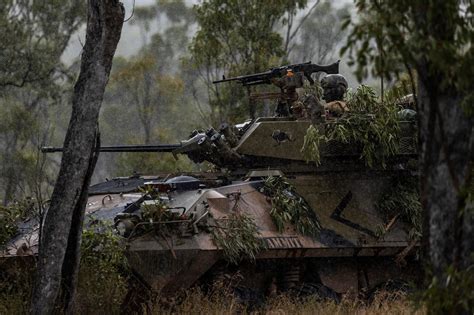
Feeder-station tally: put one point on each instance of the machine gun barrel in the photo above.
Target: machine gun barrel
(250, 79)
(307, 68)
(125, 148)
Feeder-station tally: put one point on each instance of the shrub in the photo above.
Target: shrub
(103, 273)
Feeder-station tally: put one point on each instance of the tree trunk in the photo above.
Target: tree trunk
(446, 134)
(70, 269)
(61, 237)
(10, 186)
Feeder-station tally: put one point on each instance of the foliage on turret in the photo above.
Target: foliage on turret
(371, 126)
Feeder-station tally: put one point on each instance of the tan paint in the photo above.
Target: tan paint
(258, 140)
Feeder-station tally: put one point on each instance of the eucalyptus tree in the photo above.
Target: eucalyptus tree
(146, 99)
(432, 42)
(34, 35)
(320, 36)
(59, 253)
(237, 37)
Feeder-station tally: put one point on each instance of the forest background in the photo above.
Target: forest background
(161, 83)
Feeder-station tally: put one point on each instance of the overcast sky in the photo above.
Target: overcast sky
(131, 40)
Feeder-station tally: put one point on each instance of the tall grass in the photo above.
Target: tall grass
(219, 302)
(103, 296)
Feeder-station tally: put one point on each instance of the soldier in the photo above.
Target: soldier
(289, 105)
(334, 87)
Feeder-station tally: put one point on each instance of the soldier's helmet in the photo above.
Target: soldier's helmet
(334, 86)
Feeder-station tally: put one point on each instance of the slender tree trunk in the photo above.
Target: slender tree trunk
(446, 133)
(148, 107)
(59, 255)
(9, 172)
(10, 186)
(72, 257)
(147, 130)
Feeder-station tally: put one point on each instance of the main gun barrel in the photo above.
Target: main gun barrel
(125, 148)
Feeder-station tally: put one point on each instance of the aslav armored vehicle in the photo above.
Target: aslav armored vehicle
(279, 220)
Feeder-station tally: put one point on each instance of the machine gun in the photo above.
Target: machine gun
(307, 68)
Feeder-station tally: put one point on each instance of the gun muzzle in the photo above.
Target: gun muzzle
(124, 148)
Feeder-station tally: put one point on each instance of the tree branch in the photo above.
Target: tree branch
(301, 22)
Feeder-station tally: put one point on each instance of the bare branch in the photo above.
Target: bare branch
(301, 22)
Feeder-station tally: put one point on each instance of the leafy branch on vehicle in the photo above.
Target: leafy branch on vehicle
(371, 127)
(238, 237)
(289, 207)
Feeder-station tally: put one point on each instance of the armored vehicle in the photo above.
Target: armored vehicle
(267, 213)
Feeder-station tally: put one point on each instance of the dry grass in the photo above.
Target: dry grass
(101, 292)
(195, 302)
